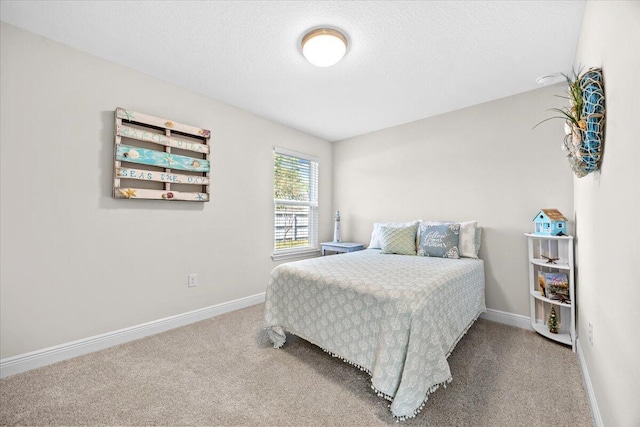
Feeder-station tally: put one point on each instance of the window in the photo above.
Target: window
(295, 200)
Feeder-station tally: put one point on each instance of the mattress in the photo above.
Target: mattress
(397, 317)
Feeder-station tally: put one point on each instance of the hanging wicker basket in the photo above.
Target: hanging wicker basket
(585, 142)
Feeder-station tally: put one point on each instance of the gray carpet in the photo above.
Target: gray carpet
(223, 371)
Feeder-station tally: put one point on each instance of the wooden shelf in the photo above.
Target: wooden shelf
(557, 247)
(537, 295)
(538, 236)
(543, 330)
(542, 262)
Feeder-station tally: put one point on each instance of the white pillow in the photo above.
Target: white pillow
(376, 234)
(469, 242)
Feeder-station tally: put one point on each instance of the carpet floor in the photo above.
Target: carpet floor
(224, 371)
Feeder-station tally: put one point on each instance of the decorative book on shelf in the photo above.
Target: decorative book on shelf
(160, 159)
(554, 286)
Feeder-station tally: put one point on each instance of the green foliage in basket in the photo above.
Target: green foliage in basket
(573, 113)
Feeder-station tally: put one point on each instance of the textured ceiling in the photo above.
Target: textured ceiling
(406, 60)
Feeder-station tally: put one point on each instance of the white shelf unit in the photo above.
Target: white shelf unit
(560, 247)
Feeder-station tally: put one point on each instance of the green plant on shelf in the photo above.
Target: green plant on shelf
(552, 321)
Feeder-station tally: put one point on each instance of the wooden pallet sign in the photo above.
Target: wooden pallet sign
(160, 159)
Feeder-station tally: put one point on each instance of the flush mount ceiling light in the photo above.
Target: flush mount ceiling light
(550, 79)
(324, 47)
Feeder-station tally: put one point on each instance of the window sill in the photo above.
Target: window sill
(288, 256)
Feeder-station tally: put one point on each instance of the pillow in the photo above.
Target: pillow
(467, 244)
(477, 241)
(375, 234)
(439, 240)
(398, 240)
(469, 238)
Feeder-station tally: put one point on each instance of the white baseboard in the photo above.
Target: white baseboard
(510, 319)
(595, 411)
(35, 359)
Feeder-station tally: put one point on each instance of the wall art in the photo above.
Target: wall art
(160, 159)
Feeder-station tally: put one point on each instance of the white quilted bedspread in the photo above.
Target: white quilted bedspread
(396, 316)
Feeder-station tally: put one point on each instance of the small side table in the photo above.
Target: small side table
(341, 247)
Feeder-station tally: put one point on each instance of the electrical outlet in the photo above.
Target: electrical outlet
(192, 280)
(591, 334)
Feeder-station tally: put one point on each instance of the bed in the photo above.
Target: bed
(397, 317)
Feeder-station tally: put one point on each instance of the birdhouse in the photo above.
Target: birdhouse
(550, 222)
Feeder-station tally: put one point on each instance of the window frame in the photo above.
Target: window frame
(313, 248)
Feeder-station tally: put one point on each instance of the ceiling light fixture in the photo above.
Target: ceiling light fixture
(324, 47)
(549, 79)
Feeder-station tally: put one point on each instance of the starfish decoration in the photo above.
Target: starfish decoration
(170, 159)
(200, 196)
(129, 114)
(128, 193)
(550, 260)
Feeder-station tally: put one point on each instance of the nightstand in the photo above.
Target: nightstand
(341, 247)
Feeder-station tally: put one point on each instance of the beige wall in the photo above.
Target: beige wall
(607, 212)
(75, 262)
(484, 162)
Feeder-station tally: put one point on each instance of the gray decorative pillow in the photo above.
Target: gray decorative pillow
(439, 240)
(469, 237)
(398, 240)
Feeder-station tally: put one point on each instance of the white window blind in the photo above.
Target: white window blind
(295, 200)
